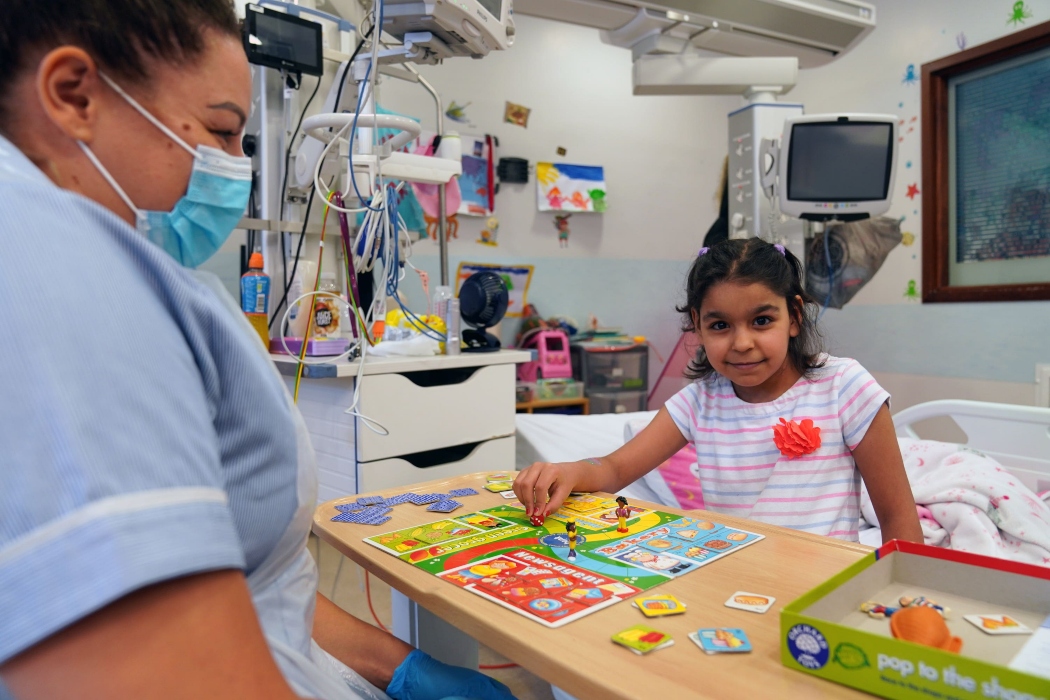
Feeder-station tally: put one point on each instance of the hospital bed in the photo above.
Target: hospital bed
(1018, 437)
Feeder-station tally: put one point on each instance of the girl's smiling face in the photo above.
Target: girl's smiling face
(745, 329)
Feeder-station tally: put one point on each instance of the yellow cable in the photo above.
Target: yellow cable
(313, 299)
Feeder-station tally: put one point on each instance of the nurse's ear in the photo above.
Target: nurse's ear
(69, 89)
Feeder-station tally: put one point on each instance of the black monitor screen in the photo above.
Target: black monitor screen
(840, 162)
(281, 41)
(495, 7)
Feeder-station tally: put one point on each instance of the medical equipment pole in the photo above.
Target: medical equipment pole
(442, 242)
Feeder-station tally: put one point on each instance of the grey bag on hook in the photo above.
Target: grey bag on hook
(856, 251)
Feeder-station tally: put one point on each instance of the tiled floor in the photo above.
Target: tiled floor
(348, 592)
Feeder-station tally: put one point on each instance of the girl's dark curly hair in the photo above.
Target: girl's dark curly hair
(750, 260)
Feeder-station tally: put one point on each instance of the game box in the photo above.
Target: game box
(997, 614)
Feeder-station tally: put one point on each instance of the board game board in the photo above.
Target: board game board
(498, 555)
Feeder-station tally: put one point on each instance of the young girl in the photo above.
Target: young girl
(783, 432)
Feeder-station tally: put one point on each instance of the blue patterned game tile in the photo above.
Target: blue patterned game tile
(370, 500)
(399, 499)
(444, 506)
(462, 492)
(424, 498)
(349, 508)
(378, 521)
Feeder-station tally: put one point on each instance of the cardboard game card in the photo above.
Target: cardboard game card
(444, 506)
(500, 476)
(642, 640)
(483, 521)
(459, 493)
(499, 486)
(663, 544)
(659, 605)
(734, 537)
(752, 602)
(997, 624)
(422, 499)
(509, 494)
(721, 640)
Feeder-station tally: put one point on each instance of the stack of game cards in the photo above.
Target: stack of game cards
(659, 605)
(374, 515)
(642, 640)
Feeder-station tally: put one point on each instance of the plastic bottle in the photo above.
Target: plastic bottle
(255, 297)
(452, 328)
(326, 309)
(439, 302)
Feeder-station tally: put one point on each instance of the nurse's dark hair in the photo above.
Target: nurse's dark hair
(120, 35)
(752, 260)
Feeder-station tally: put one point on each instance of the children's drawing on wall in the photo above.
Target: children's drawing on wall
(912, 292)
(910, 78)
(960, 41)
(458, 113)
(564, 187)
(477, 197)
(907, 239)
(427, 195)
(516, 114)
(516, 277)
(1019, 13)
(913, 191)
(490, 232)
(561, 224)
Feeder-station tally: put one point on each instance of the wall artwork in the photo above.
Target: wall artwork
(516, 277)
(1019, 13)
(572, 188)
(516, 114)
(475, 184)
(561, 224)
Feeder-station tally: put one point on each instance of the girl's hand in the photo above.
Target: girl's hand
(543, 487)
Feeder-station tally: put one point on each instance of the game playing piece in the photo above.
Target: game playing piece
(570, 530)
(458, 493)
(909, 602)
(659, 605)
(877, 611)
(997, 624)
(622, 513)
(499, 486)
(721, 640)
(537, 519)
(642, 640)
(752, 602)
(444, 506)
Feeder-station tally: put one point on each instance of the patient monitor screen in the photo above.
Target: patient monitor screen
(840, 162)
(495, 7)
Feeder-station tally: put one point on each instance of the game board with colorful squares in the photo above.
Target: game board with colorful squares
(499, 555)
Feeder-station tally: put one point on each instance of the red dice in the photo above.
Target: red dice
(537, 519)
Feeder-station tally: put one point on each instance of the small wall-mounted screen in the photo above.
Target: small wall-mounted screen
(278, 40)
(840, 162)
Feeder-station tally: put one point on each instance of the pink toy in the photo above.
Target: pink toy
(552, 350)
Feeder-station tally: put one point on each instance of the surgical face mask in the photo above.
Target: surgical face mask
(206, 215)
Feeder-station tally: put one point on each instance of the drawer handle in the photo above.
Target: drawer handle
(440, 456)
(440, 377)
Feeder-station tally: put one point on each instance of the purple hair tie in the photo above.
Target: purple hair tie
(703, 252)
(781, 249)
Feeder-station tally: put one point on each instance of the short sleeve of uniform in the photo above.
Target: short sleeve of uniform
(859, 398)
(110, 475)
(684, 408)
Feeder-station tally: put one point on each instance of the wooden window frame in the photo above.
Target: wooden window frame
(935, 174)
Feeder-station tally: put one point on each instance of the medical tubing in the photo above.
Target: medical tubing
(295, 263)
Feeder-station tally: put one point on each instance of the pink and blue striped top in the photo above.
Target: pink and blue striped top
(743, 473)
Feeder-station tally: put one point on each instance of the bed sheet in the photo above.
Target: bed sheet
(559, 438)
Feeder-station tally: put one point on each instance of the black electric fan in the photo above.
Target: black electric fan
(483, 300)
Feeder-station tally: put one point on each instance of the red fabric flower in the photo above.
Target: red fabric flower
(796, 439)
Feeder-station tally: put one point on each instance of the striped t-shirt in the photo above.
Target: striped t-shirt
(743, 473)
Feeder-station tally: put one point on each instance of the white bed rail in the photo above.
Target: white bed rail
(1018, 437)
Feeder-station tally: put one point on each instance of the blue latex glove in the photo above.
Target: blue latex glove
(421, 677)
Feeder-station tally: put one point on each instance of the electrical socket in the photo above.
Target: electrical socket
(1042, 386)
